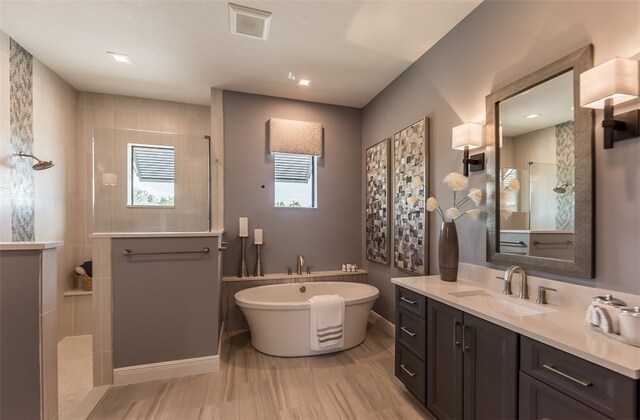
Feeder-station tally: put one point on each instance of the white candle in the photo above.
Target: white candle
(257, 236)
(244, 227)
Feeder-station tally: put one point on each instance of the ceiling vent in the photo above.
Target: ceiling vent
(249, 22)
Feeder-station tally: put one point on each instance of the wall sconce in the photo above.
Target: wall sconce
(109, 179)
(468, 136)
(607, 85)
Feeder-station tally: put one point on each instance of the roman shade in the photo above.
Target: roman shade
(295, 137)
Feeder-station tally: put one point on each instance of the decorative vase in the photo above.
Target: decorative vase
(448, 252)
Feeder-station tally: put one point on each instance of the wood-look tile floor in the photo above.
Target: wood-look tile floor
(355, 384)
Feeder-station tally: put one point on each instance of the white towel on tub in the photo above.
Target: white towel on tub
(326, 322)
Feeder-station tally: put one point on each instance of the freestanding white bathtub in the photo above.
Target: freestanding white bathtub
(278, 315)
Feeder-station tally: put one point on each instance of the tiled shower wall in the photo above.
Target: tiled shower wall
(111, 114)
(52, 194)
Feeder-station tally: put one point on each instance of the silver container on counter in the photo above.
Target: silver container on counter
(630, 324)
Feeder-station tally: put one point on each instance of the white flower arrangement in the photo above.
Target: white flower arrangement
(456, 182)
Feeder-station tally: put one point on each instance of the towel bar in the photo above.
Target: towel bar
(521, 244)
(552, 243)
(129, 252)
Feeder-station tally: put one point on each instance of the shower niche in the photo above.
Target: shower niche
(149, 181)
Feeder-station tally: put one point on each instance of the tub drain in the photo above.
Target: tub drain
(303, 289)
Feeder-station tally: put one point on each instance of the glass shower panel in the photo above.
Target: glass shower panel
(147, 181)
(542, 198)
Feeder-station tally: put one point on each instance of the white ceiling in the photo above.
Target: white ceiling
(553, 100)
(180, 49)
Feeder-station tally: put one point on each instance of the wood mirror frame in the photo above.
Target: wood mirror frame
(583, 262)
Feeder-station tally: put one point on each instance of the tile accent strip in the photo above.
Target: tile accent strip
(21, 123)
(565, 156)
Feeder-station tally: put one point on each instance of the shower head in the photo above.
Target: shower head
(561, 189)
(40, 164)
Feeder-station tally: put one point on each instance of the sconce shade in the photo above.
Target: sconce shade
(616, 79)
(466, 135)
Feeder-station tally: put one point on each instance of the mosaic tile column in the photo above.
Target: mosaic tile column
(565, 156)
(21, 122)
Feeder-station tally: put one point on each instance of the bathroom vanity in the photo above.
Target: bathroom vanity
(467, 351)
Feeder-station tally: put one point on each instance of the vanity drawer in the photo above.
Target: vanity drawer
(606, 391)
(540, 401)
(411, 332)
(411, 301)
(412, 372)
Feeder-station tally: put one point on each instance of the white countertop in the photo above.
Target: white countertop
(564, 328)
(26, 246)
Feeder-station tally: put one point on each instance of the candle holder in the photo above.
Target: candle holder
(258, 271)
(244, 272)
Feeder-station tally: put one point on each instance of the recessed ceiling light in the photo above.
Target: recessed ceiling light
(120, 58)
(248, 21)
(304, 82)
(533, 116)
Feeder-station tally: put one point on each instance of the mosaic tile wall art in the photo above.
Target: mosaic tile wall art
(21, 126)
(410, 169)
(377, 202)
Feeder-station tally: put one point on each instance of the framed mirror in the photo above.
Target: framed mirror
(540, 171)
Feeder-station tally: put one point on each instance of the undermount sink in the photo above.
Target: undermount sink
(501, 303)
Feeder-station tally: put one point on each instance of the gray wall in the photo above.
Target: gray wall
(498, 43)
(326, 236)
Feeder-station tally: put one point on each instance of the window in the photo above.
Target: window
(151, 175)
(295, 180)
(509, 194)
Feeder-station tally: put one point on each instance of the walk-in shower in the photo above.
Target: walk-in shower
(40, 164)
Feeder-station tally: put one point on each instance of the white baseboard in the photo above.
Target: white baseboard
(167, 370)
(383, 324)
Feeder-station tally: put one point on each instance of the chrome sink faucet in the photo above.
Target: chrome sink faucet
(299, 264)
(524, 287)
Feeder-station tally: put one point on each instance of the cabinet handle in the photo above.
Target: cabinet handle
(456, 340)
(465, 328)
(564, 375)
(409, 301)
(411, 333)
(408, 371)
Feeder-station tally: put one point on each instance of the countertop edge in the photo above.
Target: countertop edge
(23, 246)
(155, 234)
(285, 276)
(623, 370)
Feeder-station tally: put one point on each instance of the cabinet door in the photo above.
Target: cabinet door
(490, 370)
(444, 360)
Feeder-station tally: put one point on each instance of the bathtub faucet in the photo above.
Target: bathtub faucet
(299, 264)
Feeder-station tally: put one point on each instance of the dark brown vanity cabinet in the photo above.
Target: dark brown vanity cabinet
(472, 366)
(411, 341)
